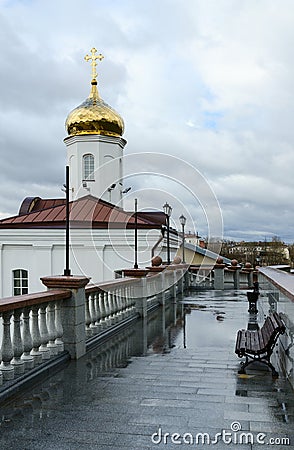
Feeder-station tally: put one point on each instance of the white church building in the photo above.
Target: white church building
(32, 243)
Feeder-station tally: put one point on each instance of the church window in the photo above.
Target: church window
(20, 282)
(88, 167)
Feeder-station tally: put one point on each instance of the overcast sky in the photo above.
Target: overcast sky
(209, 82)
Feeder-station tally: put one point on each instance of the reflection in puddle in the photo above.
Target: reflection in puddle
(156, 334)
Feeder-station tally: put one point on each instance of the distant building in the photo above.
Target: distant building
(261, 253)
(195, 239)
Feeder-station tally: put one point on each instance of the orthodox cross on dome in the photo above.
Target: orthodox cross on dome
(93, 63)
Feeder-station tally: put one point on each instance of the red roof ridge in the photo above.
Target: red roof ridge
(87, 209)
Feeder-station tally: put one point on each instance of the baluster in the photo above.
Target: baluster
(132, 300)
(44, 332)
(102, 309)
(36, 336)
(119, 304)
(107, 308)
(98, 311)
(128, 301)
(93, 313)
(112, 307)
(58, 327)
(123, 303)
(27, 340)
(17, 362)
(7, 350)
(87, 317)
(115, 305)
(52, 333)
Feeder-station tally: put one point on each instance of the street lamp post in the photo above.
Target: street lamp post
(67, 271)
(136, 235)
(182, 219)
(167, 210)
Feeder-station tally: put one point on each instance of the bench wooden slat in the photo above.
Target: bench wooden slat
(241, 342)
(277, 322)
(254, 342)
(268, 328)
(262, 342)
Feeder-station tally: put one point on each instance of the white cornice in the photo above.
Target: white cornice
(69, 140)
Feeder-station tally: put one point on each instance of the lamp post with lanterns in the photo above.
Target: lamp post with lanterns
(67, 271)
(167, 211)
(183, 219)
(136, 235)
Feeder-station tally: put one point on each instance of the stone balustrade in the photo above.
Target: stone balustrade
(110, 303)
(38, 327)
(220, 275)
(32, 331)
(107, 304)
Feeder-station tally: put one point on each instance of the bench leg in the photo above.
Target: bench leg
(245, 364)
(274, 372)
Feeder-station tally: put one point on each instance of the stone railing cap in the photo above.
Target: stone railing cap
(65, 282)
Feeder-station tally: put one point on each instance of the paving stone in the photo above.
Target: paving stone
(192, 390)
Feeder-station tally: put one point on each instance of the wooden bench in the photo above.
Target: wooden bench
(258, 345)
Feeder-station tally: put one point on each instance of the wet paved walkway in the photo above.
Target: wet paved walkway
(187, 384)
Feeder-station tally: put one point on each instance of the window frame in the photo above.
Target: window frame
(88, 167)
(20, 282)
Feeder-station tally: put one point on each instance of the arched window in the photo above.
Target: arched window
(88, 167)
(20, 281)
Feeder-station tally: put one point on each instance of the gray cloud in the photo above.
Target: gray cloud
(209, 82)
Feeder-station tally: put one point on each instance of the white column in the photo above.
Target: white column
(7, 350)
(52, 332)
(17, 362)
(27, 340)
(36, 336)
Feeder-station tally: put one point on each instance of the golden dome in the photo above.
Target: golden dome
(94, 116)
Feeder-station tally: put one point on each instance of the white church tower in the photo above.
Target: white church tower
(95, 146)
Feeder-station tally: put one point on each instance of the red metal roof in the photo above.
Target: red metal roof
(84, 212)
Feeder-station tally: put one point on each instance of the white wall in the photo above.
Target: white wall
(93, 253)
(108, 153)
